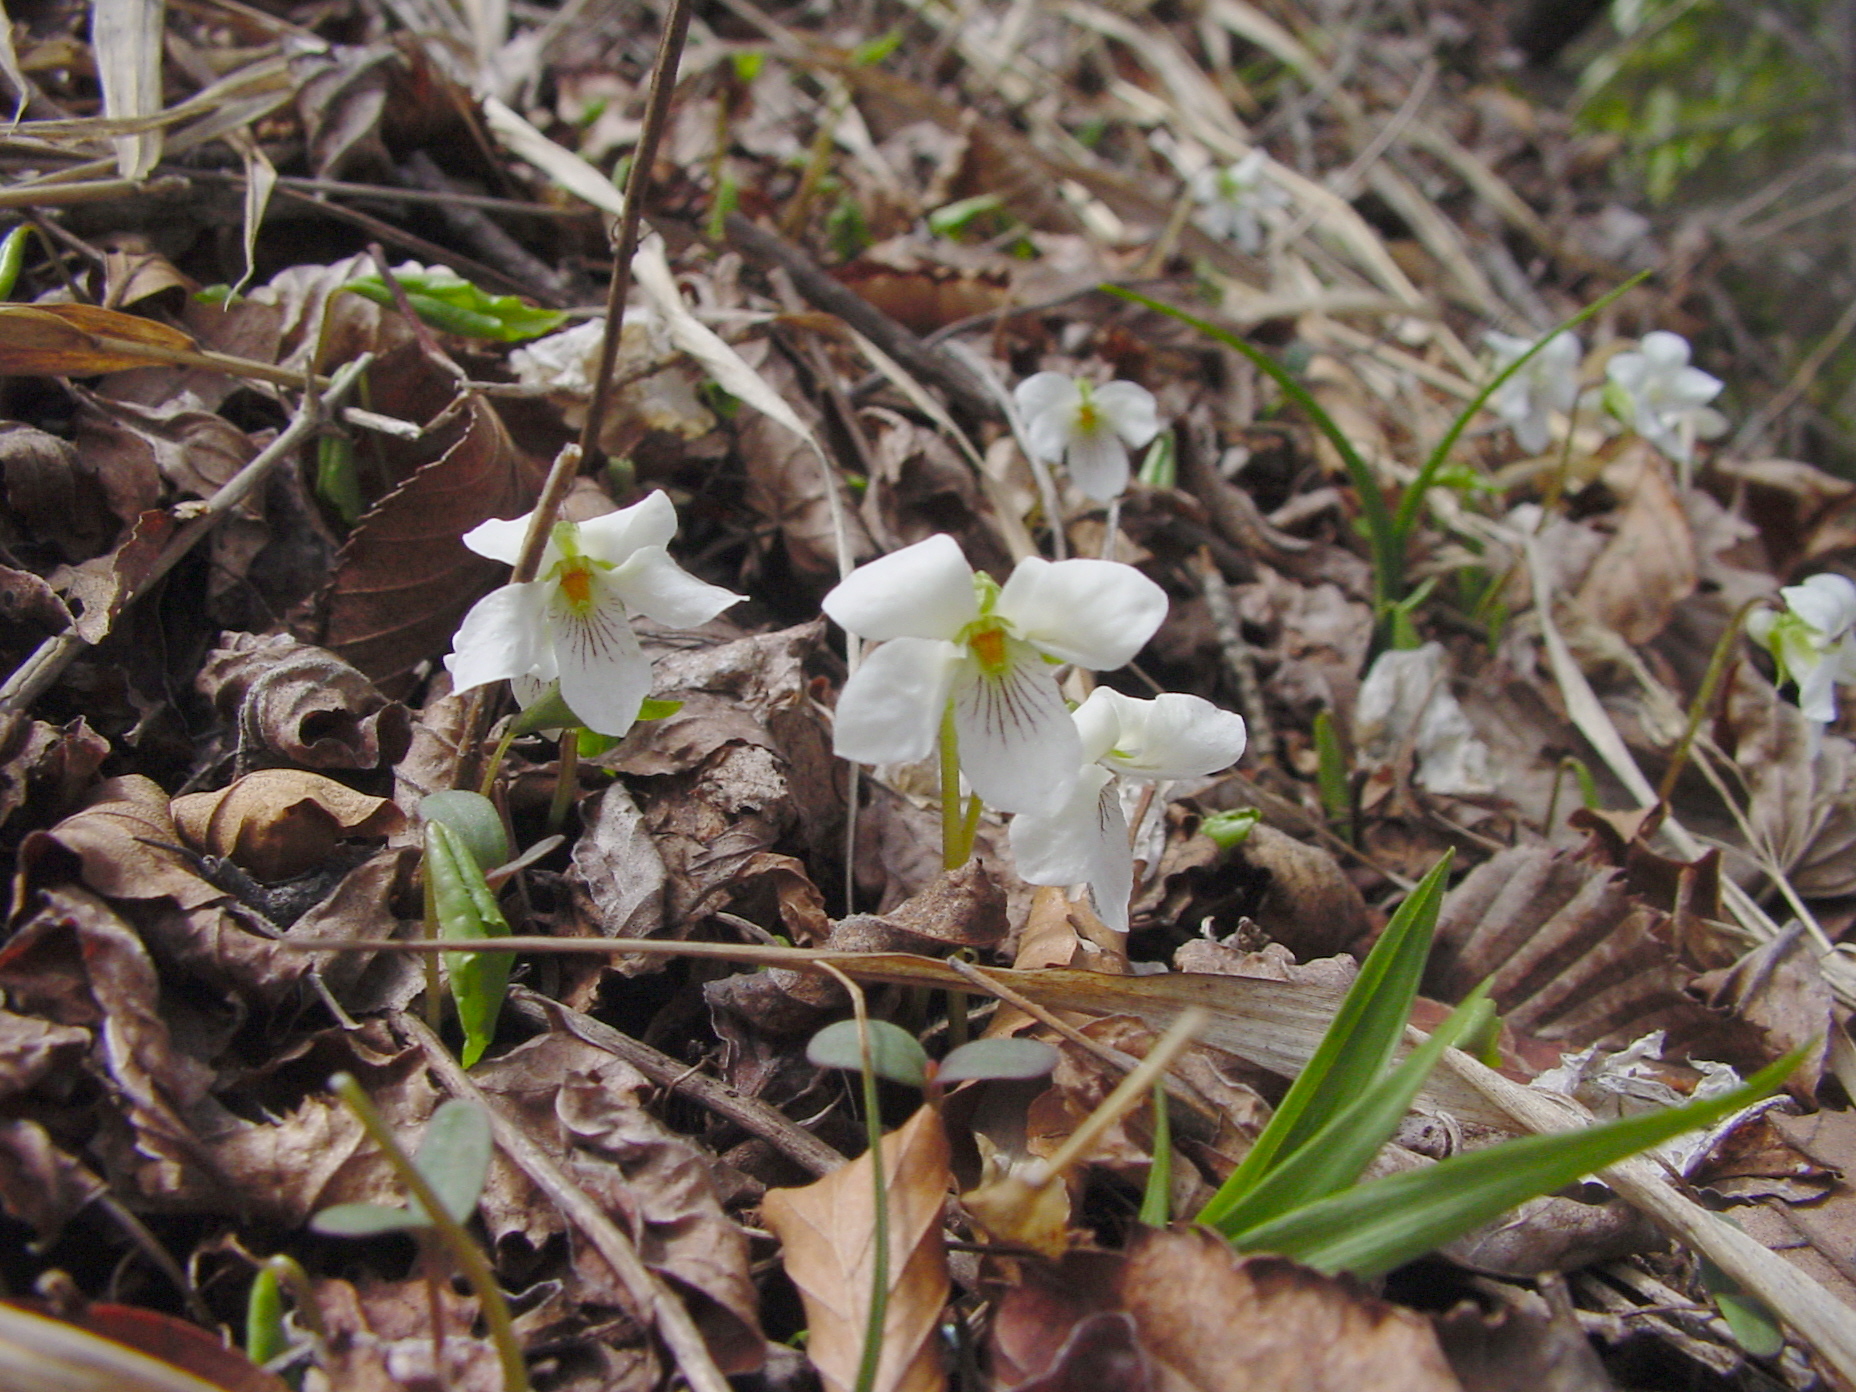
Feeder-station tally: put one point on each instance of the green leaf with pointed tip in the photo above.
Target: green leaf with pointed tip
(1754, 1327)
(998, 1058)
(1353, 1055)
(448, 302)
(1339, 1153)
(467, 909)
(1374, 1227)
(894, 1052)
(476, 821)
(1229, 830)
(454, 1157)
(265, 1336)
(366, 1220)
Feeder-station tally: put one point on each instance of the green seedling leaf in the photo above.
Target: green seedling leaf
(467, 909)
(954, 219)
(337, 484)
(1229, 830)
(366, 1220)
(550, 713)
(1331, 774)
(998, 1058)
(1754, 1327)
(454, 1157)
(894, 1052)
(1157, 1196)
(1372, 1228)
(1160, 465)
(448, 302)
(265, 1337)
(476, 821)
(1354, 1053)
(1339, 1153)
(748, 63)
(874, 51)
(12, 257)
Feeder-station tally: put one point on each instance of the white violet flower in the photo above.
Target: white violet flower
(1085, 838)
(1664, 399)
(1232, 200)
(948, 634)
(1813, 640)
(574, 620)
(1089, 428)
(1548, 382)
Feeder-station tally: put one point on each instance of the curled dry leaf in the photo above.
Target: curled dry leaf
(1208, 1320)
(73, 340)
(41, 1184)
(276, 823)
(826, 1233)
(298, 704)
(47, 769)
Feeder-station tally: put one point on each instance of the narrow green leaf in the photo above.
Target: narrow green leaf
(1358, 1045)
(894, 1052)
(998, 1058)
(1331, 775)
(366, 1220)
(1157, 1196)
(264, 1318)
(467, 909)
(12, 257)
(447, 301)
(1339, 1153)
(337, 483)
(454, 1157)
(1374, 1227)
(1754, 1327)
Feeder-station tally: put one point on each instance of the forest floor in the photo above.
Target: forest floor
(233, 494)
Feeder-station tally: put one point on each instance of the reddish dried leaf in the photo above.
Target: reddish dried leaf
(404, 579)
(299, 704)
(73, 340)
(173, 1341)
(277, 823)
(826, 1230)
(98, 590)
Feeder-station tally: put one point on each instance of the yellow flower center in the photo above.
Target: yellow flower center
(1088, 419)
(989, 647)
(576, 582)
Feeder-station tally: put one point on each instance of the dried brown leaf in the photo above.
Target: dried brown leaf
(276, 823)
(299, 704)
(826, 1231)
(404, 580)
(73, 340)
(1649, 565)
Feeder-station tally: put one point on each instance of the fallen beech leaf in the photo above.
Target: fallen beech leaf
(1649, 565)
(72, 340)
(128, 846)
(276, 823)
(404, 579)
(826, 1230)
(99, 589)
(302, 705)
(41, 1354)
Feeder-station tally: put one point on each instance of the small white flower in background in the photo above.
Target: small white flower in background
(1089, 428)
(1548, 382)
(1084, 840)
(1232, 200)
(949, 634)
(1657, 393)
(1813, 640)
(574, 620)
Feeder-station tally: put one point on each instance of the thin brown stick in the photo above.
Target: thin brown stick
(37, 674)
(750, 1114)
(656, 116)
(649, 1294)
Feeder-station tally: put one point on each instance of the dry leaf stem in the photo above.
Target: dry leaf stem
(37, 674)
(649, 1294)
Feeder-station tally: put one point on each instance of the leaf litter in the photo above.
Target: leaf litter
(209, 754)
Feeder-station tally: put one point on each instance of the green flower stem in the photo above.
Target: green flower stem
(434, 968)
(495, 766)
(457, 1242)
(953, 824)
(566, 781)
(1704, 698)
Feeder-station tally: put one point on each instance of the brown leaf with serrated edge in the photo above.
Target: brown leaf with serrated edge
(300, 704)
(72, 340)
(277, 823)
(404, 579)
(827, 1231)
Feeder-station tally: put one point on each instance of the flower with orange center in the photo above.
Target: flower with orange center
(951, 636)
(573, 622)
(1090, 429)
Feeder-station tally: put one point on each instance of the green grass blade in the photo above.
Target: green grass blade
(1411, 501)
(1374, 1227)
(1336, 1156)
(1387, 547)
(1354, 1053)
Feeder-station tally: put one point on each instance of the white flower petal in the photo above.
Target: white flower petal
(1098, 464)
(1817, 691)
(1131, 410)
(1098, 722)
(890, 710)
(1827, 602)
(660, 589)
(1533, 430)
(1175, 736)
(1692, 387)
(1046, 393)
(1018, 746)
(1083, 840)
(504, 635)
(1664, 351)
(604, 674)
(1628, 370)
(499, 539)
(1049, 433)
(613, 537)
(1097, 614)
(921, 591)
